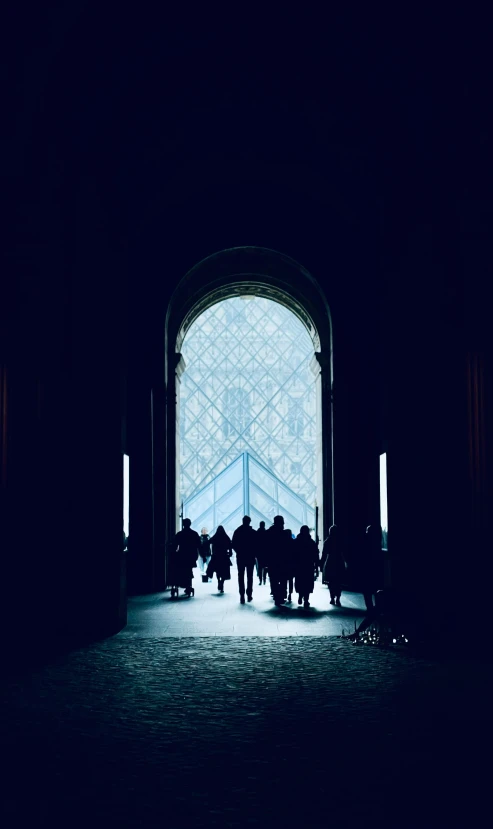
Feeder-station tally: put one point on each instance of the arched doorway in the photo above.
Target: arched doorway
(245, 271)
(249, 442)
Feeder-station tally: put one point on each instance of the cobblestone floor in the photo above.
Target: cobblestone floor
(245, 731)
(210, 613)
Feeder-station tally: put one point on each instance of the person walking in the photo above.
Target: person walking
(288, 565)
(306, 564)
(333, 566)
(261, 551)
(244, 546)
(205, 552)
(186, 551)
(396, 610)
(276, 548)
(220, 562)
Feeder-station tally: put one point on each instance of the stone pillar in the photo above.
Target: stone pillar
(140, 443)
(166, 429)
(34, 386)
(427, 437)
(94, 548)
(476, 255)
(414, 363)
(160, 485)
(356, 429)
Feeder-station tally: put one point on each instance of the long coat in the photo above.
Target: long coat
(305, 562)
(220, 562)
(276, 543)
(261, 547)
(288, 560)
(333, 564)
(184, 557)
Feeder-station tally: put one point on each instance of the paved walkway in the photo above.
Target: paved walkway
(210, 613)
(204, 712)
(140, 732)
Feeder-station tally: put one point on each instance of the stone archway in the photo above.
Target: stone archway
(228, 273)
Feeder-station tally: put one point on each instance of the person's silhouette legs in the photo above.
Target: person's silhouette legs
(335, 594)
(250, 581)
(278, 588)
(241, 580)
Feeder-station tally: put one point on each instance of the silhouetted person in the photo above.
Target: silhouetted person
(187, 549)
(276, 550)
(261, 540)
(370, 564)
(333, 566)
(220, 562)
(244, 547)
(306, 564)
(394, 609)
(288, 562)
(205, 550)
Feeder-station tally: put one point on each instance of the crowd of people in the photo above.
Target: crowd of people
(291, 563)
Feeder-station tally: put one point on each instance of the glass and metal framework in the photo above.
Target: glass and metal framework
(246, 487)
(247, 410)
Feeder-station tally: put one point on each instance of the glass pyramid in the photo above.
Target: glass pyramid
(246, 487)
(248, 388)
